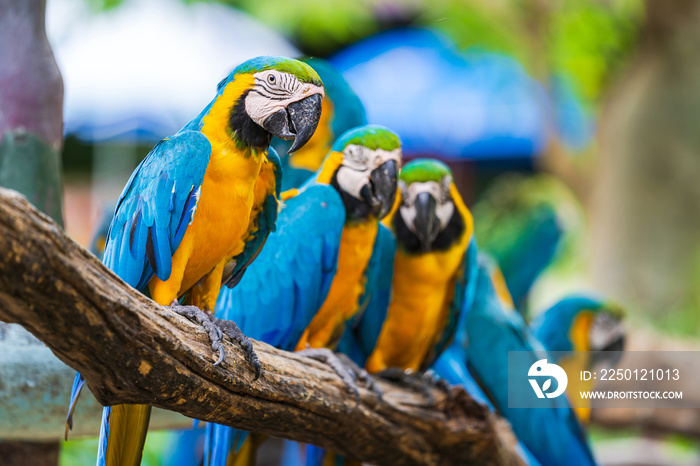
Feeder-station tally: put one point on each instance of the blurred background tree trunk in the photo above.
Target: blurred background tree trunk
(31, 136)
(646, 206)
(31, 107)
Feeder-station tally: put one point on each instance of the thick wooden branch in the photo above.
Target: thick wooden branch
(131, 350)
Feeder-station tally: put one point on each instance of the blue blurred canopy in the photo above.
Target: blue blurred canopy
(447, 103)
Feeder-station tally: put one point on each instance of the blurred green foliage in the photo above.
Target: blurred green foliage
(83, 451)
(588, 41)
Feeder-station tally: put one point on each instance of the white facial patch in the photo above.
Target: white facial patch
(274, 91)
(358, 164)
(604, 331)
(440, 192)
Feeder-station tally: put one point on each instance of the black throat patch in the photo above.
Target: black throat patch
(355, 209)
(244, 129)
(410, 243)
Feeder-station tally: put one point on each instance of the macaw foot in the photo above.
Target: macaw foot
(216, 329)
(349, 372)
(421, 382)
(232, 331)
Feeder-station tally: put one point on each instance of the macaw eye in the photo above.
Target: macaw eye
(271, 79)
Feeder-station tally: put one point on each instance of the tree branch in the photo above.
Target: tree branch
(132, 350)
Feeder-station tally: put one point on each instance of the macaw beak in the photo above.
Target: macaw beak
(611, 354)
(426, 224)
(298, 121)
(383, 181)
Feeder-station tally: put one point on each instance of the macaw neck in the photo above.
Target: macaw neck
(580, 328)
(329, 167)
(227, 125)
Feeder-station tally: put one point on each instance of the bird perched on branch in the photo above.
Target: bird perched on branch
(579, 332)
(490, 329)
(342, 111)
(312, 275)
(424, 275)
(197, 209)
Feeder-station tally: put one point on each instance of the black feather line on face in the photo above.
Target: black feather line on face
(245, 129)
(355, 209)
(410, 243)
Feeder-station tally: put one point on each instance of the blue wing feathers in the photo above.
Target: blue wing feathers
(488, 332)
(154, 210)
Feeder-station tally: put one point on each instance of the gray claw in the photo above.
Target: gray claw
(347, 370)
(231, 330)
(216, 328)
(420, 382)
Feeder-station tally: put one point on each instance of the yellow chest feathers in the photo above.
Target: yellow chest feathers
(341, 303)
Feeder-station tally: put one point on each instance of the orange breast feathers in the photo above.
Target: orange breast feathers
(422, 290)
(342, 302)
(223, 214)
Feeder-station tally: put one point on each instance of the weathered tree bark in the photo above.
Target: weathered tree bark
(132, 350)
(29, 453)
(34, 395)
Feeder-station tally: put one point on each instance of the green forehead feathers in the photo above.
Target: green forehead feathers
(424, 170)
(371, 136)
(302, 71)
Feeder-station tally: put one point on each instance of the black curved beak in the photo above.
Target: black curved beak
(298, 121)
(383, 181)
(426, 224)
(611, 354)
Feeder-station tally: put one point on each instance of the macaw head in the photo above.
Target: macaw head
(274, 96)
(341, 111)
(363, 166)
(582, 323)
(431, 215)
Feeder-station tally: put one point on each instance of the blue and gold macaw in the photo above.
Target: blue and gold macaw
(425, 278)
(489, 330)
(573, 328)
(196, 211)
(311, 277)
(342, 111)
(422, 276)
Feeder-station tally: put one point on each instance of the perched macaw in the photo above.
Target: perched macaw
(573, 327)
(488, 331)
(423, 274)
(311, 277)
(342, 111)
(523, 222)
(409, 324)
(196, 211)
